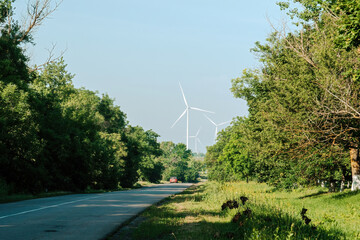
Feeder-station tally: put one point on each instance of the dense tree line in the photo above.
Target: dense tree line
(179, 162)
(303, 124)
(54, 136)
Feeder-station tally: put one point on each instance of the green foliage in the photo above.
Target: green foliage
(216, 169)
(19, 145)
(151, 168)
(346, 14)
(5, 10)
(114, 118)
(193, 171)
(178, 162)
(57, 137)
(142, 148)
(349, 21)
(13, 62)
(303, 103)
(63, 138)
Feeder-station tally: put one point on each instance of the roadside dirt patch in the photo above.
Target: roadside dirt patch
(179, 207)
(191, 219)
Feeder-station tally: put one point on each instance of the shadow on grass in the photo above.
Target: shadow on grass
(346, 194)
(258, 226)
(179, 219)
(319, 193)
(264, 223)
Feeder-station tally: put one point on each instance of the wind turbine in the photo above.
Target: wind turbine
(187, 116)
(196, 140)
(216, 125)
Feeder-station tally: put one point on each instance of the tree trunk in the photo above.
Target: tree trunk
(332, 186)
(342, 185)
(355, 168)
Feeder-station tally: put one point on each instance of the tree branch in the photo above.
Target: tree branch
(50, 59)
(38, 12)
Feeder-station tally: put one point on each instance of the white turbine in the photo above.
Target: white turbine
(187, 116)
(196, 140)
(216, 125)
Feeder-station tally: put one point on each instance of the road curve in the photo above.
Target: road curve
(78, 216)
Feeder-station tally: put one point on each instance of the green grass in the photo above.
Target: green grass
(197, 214)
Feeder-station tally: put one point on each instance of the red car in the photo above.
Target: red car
(173, 180)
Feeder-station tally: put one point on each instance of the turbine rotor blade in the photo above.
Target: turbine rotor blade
(210, 120)
(199, 109)
(183, 95)
(224, 123)
(197, 134)
(179, 117)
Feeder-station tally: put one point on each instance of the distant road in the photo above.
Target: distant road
(79, 216)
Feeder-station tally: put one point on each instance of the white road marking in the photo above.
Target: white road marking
(51, 206)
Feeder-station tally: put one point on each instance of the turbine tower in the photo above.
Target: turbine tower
(216, 125)
(196, 140)
(187, 109)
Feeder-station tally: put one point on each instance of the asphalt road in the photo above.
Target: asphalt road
(79, 216)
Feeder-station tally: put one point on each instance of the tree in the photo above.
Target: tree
(13, 62)
(302, 102)
(110, 164)
(81, 133)
(142, 147)
(178, 162)
(332, 54)
(114, 118)
(150, 167)
(19, 146)
(217, 169)
(57, 137)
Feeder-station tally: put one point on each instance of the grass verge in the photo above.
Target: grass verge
(197, 214)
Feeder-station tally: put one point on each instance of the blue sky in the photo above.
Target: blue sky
(138, 51)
